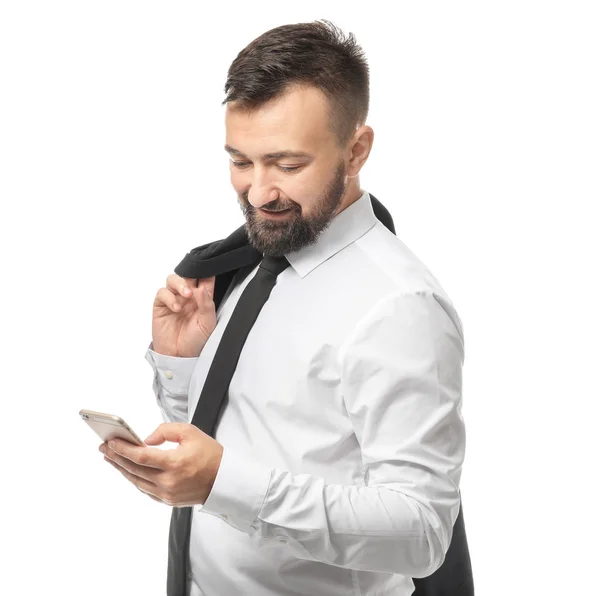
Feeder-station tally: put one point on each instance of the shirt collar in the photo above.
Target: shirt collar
(346, 227)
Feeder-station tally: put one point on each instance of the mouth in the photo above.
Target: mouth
(276, 214)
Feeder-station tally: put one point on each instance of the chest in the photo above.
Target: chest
(285, 400)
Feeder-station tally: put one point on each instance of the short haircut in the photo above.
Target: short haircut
(315, 54)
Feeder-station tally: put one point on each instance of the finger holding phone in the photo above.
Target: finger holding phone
(179, 477)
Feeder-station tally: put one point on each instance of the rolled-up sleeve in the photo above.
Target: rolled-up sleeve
(172, 376)
(401, 371)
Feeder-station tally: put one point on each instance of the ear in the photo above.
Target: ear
(360, 150)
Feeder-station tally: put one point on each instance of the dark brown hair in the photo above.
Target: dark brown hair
(316, 54)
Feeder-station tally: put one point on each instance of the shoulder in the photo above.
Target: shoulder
(390, 266)
(400, 282)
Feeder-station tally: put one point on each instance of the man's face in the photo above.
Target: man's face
(311, 185)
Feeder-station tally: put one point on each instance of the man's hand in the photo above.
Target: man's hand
(183, 316)
(177, 477)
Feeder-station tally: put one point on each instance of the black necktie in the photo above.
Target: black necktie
(213, 398)
(255, 294)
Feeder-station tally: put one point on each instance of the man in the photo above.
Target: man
(335, 465)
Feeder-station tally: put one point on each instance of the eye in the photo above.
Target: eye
(242, 164)
(239, 164)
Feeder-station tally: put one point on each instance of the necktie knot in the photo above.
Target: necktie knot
(274, 265)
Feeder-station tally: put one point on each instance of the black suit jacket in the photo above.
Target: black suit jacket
(223, 258)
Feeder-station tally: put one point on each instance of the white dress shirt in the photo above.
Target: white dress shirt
(343, 436)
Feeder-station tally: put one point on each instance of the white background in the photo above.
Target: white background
(487, 154)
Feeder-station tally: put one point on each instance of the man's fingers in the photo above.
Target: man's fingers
(151, 496)
(149, 474)
(209, 284)
(143, 456)
(142, 484)
(174, 432)
(181, 286)
(177, 291)
(204, 299)
(166, 298)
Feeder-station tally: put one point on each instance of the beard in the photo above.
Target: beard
(276, 238)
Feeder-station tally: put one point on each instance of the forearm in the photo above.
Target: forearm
(172, 376)
(375, 528)
(401, 383)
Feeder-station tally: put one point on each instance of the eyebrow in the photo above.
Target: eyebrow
(268, 156)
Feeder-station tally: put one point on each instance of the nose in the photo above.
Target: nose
(263, 199)
(261, 192)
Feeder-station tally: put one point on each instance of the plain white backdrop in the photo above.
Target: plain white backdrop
(487, 154)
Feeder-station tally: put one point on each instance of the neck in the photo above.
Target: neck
(352, 194)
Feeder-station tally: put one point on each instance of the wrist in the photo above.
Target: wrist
(213, 469)
(164, 351)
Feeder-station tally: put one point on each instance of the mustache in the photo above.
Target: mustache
(268, 207)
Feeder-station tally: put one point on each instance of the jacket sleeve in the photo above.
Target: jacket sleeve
(402, 384)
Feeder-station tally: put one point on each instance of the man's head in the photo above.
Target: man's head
(297, 100)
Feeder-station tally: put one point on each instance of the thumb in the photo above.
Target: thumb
(210, 286)
(174, 432)
(205, 293)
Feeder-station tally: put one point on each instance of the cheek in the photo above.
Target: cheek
(300, 189)
(239, 182)
(303, 190)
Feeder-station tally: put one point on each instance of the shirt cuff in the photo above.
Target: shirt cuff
(172, 372)
(239, 490)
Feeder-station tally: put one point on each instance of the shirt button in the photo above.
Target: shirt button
(168, 374)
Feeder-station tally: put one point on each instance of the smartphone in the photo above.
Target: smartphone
(109, 426)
